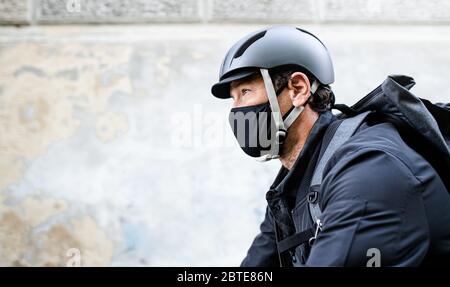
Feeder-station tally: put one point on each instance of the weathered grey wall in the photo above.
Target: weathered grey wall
(111, 143)
(138, 11)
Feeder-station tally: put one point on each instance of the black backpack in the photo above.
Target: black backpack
(422, 125)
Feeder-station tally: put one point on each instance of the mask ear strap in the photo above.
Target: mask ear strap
(293, 115)
(279, 124)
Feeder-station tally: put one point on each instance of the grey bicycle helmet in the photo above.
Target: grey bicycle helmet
(270, 48)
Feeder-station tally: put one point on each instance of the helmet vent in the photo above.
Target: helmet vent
(249, 42)
(311, 34)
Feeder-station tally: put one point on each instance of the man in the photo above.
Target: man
(378, 197)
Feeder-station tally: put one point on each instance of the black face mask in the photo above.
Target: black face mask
(260, 130)
(253, 128)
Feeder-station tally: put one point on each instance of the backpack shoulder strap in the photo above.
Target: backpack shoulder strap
(345, 130)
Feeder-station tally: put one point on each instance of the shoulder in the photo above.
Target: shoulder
(371, 165)
(381, 141)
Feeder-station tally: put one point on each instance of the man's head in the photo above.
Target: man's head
(281, 71)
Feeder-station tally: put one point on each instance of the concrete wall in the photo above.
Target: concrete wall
(163, 11)
(112, 146)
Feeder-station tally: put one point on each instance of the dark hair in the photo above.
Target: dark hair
(322, 100)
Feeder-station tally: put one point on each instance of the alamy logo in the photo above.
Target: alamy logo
(374, 255)
(74, 255)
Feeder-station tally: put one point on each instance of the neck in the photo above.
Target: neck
(297, 135)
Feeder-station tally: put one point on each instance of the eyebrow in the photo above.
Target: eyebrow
(247, 79)
(236, 83)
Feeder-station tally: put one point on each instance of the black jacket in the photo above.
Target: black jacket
(376, 192)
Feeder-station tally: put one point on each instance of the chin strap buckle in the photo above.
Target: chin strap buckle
(280, 136)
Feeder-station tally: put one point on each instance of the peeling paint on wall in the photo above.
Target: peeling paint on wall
(46, 87)
(28, 237)
(38, 108)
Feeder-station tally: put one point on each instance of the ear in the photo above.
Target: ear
(299, 89)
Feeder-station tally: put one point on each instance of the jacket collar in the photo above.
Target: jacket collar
(289, 179)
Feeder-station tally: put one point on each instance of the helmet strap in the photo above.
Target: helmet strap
(281, 125)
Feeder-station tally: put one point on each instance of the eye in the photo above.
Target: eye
(244, 91)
